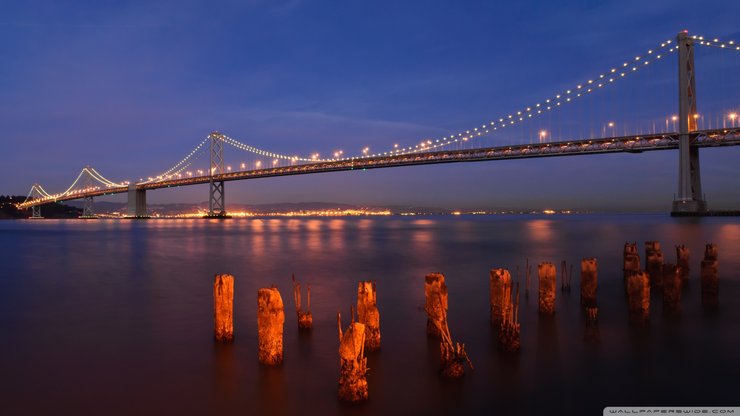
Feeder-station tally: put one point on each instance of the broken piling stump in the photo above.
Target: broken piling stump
(638, 296)
(682, 261)
(270, 320)
(589, 282)
(508, 336)
(709, 277)
(305, 319)
(368, 314)
(353, 385)
(500, 295)
(435, 305)
(631, 263)
(223, 307)
(546, 275)
(453, 354)
(654, 264)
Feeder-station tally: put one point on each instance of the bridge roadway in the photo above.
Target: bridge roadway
(631, 144)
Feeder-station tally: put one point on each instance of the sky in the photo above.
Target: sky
(131, 87)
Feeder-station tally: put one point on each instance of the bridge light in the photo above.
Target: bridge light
(243, 165)
(674, 118)
(274, 162)
(259, 163)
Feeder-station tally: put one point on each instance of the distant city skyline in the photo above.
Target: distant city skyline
(131, 88)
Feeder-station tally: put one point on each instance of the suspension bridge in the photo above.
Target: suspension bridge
(686, 137)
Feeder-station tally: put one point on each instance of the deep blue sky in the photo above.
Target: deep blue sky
(131, 87)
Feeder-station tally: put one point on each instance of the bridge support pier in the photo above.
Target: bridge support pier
(689, 198)
(36, 212)
(136, 203)
(87, 209)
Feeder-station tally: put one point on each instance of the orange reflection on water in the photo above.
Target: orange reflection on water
(540, 230)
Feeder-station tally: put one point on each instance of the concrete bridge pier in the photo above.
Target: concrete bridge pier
(136, 203)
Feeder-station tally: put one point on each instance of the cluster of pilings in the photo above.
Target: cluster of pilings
(363, 333)
(666, 279)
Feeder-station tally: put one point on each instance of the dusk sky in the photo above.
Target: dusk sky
(131, 87)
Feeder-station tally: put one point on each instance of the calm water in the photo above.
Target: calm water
(115, 317)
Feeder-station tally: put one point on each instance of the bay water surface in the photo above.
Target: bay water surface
(116, 316)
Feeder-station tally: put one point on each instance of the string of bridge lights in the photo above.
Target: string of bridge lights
(94, 174)
(273, 155)
(554, 101)
(729, 45)
(177, 168)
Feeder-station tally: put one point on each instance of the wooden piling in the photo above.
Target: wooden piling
(500, 295)
(709, 277)
(368, 314)
(589, 282)
(453, 355)
(672, 283)
(305, 319)
(508, 336)
(270, 320)
(223, 307)
(638, 295)
(353, 385)
(654, 264)
(435, 305)
(631, 262)
(546, 274)
(682, 261)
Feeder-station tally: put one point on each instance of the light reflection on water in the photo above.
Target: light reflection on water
(117, 316)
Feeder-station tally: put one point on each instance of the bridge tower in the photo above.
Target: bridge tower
(36, 212)
(689, 198)
(216, 200)
(87, 206)
(36, 209)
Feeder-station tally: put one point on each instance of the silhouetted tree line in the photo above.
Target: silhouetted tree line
(50, 210)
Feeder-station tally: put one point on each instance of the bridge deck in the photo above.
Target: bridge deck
(633, 144)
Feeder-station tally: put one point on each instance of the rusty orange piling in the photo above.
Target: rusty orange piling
(270, 320)
(654, 264)
(435, 305)
(500, 295)
(631, 262)
(682, 261)
(672, 283)
(546, 275)
(353, 385)
(638, 295)
(223, 307)
(589, 282)
(508, 336)
(368, 314)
